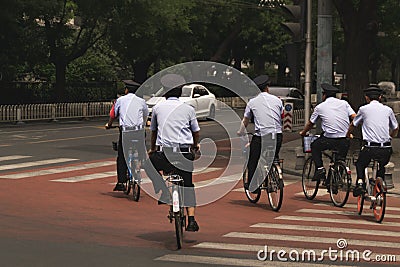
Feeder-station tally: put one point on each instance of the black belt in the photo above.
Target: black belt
(173, 149)
(378, 144)
(131, 128)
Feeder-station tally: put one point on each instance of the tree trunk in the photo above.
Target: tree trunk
(141, 69)
(60, 90)
(360, 28)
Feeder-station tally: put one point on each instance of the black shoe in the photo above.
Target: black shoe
(256, 191)
(358, 190)
(192, 226)
(164, 199)
(119, 187)
(319, 174)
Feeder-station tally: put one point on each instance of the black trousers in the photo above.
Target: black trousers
(271, 145)
(323, 143)
(129, 140)
(161, 161)
(367, 153)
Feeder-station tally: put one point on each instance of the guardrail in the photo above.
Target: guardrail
(37, 112)
(32, 112)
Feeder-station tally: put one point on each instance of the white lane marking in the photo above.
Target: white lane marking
(309, 239)
(354, 206)
(34, 163)
(340, 212)
(13, 157)
(221, 180)
(256, 248)
(333, 221)
(86, 177)
(225, 261)
(57, 170)
(321, 192)
(205, 170)
(326, 229)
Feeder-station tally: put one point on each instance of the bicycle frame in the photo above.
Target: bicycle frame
(375, 193)
(177, 211)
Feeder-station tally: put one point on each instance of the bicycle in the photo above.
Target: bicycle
(338, 180)
(375, 190)
(133, 175)
(273, 183)
(176, 211)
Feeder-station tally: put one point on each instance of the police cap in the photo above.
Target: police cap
(262, 81)
(329, 89)
(131, 84)
(373, 91)
(171, 80)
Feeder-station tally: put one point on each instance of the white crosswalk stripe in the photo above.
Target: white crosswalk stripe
(87, 177)
(14, 157)
(341, 212)
(57, 170)
(225, 261)
(35, 163)
(295, 229)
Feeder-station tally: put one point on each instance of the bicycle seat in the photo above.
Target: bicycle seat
(174, 178)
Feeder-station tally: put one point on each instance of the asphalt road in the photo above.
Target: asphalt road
(57, 208)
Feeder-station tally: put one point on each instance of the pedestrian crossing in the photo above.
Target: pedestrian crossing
(72, 173)
(315, 229)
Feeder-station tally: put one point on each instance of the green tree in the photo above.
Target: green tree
(360, 27)
(70, 28)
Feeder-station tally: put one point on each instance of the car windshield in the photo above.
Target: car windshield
(186, 92)
(279, 91)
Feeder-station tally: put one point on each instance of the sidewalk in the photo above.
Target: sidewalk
(293, 147)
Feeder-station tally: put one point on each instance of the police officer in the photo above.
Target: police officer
(335, 115)
(132, 112)
(266, 110)
(379, 125)
(174, 138)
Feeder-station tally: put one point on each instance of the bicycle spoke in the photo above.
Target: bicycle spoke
(310, 188)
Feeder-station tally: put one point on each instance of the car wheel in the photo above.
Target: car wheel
(211, 115)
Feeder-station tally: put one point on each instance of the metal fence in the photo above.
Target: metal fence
(37, 112)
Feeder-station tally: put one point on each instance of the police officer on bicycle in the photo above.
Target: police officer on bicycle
(174, 139)
(132, 112)
(335, 115)
(266, 110)
(379, 126)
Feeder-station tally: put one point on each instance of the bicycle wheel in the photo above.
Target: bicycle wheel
(379, 206)
(310, 187)
(275, 188)
(178, 228)
(128, 183)
(360, 203)
(252, 197)
(340, 182)
(136, 186)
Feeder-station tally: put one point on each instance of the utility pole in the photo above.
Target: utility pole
(324, 45)
(307, 64)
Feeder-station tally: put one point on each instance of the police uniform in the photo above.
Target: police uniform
(335, 116)
(266, 109)
(174, 121)
(376, 119)
(132, 112)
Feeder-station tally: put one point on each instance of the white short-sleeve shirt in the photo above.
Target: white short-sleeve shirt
(335, 116)
(132, 110)
(377, 119)
(174, 122)
(267, 111)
